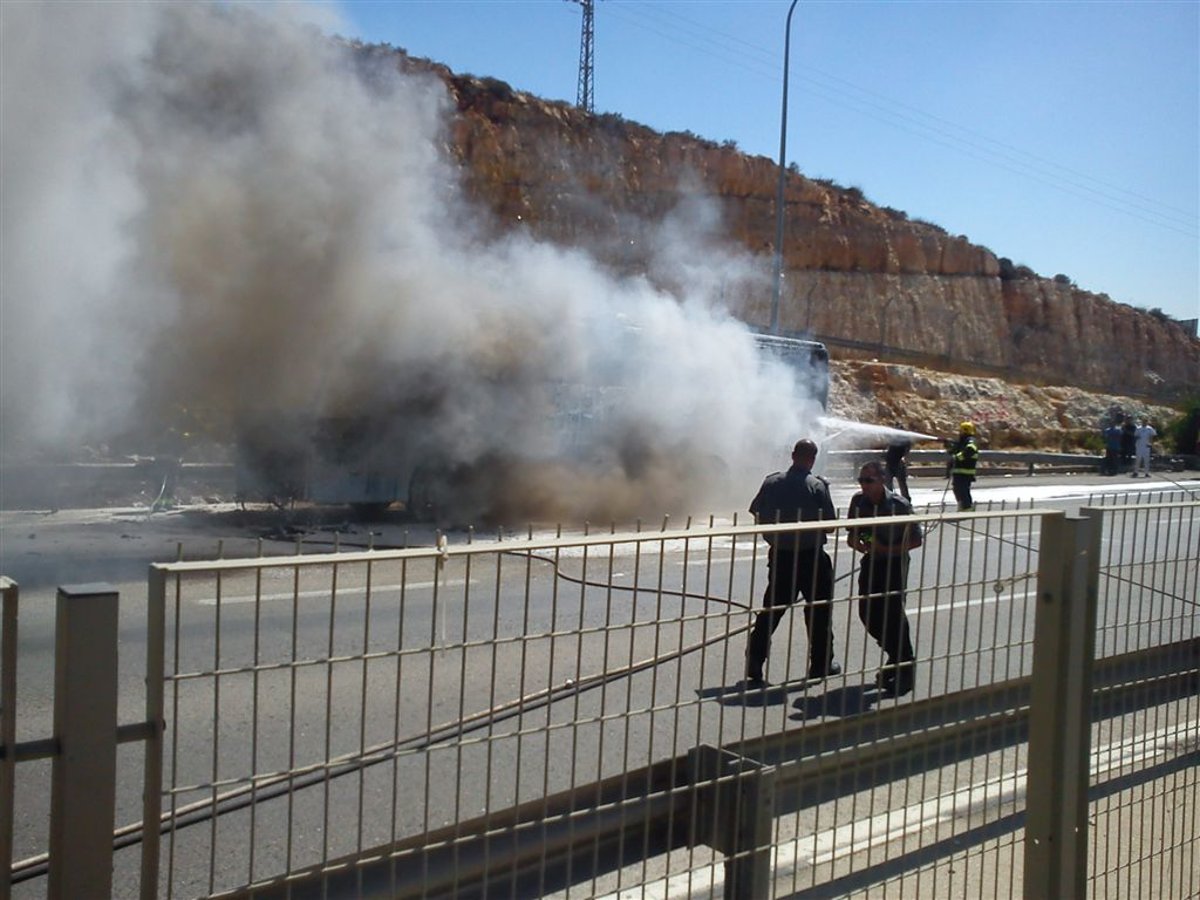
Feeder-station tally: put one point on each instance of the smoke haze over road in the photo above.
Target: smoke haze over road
(215, 207)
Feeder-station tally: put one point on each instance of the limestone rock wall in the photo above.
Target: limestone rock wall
(1008, 415)
(853, 271)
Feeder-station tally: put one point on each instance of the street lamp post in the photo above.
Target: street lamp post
(778, 286)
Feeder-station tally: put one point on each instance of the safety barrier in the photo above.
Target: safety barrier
(990, 461)
(566, 716)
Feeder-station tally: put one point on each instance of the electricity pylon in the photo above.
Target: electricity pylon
(583, 97)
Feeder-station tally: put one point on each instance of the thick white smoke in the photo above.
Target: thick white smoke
(217, 208)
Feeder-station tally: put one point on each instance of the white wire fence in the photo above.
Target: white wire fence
(567, 715)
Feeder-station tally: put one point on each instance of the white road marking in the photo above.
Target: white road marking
(721, 559)
(1005, 788)
(342, 593)
(845, 840)
(963, 604)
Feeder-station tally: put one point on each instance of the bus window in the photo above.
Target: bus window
(808, 359)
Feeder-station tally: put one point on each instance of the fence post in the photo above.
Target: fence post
(83, 777)
(152, 764)
(735, 816)
(8, 727)
(1060, 714)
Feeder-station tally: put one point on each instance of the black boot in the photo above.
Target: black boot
(817, 671)
(897, 680)
(754, 672)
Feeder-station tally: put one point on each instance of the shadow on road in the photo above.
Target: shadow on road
(844, 701)
(816, 703)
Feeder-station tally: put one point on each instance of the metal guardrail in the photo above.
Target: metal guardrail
(989, 460)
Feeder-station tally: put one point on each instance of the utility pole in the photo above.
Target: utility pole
(583, 97)
(779, 196)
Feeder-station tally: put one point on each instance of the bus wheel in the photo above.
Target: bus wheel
(429, 491)
(368, 512)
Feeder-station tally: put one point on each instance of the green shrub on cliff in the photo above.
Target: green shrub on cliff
(1183, 434)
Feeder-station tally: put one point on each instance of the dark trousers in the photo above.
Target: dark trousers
(881, 583)
(962, 490)
(1109, 465)
(791, 572)
(899, 474)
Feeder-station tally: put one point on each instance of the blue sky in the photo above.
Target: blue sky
(1063, 135)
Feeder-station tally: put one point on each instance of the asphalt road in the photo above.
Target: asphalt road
(965, 636)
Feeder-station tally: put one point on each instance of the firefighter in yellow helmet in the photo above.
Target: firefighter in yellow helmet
(964, 455)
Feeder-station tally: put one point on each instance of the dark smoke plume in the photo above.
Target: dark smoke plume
(214, 209)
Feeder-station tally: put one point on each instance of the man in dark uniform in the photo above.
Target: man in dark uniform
(1128, 443)
(883, 575)
(796, 564)
(1112, 450)
(897, 466)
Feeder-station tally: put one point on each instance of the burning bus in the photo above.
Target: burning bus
(397, 453)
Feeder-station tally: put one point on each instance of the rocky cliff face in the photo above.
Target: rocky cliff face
(854, 272)
(1008, 415)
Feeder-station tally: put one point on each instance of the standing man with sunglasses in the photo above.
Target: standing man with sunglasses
(883, 574)
(796, 564)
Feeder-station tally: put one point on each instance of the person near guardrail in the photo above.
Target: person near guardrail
(797, 564)
(964, 454)
(1128, 444)
(897, 466)
(883, 575)
(1112, 449)
(1144, 436)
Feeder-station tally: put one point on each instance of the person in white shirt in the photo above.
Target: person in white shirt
(1145, 434)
